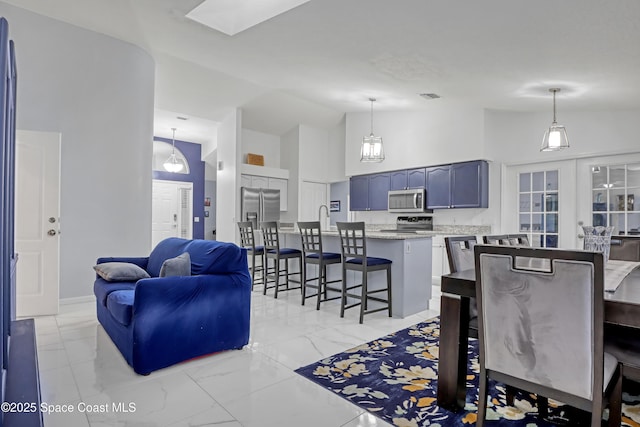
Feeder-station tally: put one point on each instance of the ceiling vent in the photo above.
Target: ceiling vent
(430, 95)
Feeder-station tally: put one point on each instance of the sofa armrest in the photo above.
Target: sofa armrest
(139, 261)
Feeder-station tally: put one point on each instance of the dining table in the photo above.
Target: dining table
(621, 307)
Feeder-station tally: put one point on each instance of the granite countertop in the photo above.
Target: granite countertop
(373, 231)
(371, 234)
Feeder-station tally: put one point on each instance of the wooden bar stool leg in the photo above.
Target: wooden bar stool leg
(253, 269)
(322, 284)
(264, 280)
(304, 282)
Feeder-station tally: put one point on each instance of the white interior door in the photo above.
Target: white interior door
(312, 196)
(171, 210)
(37, 222)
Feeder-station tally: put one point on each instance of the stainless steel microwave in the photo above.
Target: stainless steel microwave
(413, 200)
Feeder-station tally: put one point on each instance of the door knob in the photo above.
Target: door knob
(51, 232)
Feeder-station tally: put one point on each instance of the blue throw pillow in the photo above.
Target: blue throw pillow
(120, 272)
(178, 266)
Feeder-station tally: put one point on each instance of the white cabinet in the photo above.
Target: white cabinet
(440, 262)
(256, 181)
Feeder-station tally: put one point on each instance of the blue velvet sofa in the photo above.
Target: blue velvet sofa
(159, 321)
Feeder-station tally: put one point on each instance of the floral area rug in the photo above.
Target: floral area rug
(395, 378)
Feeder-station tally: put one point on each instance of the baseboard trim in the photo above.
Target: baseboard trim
(77, 300)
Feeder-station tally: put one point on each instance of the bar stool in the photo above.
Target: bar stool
(312, 253)
(354, 258)
(272, 250)
(247, 240)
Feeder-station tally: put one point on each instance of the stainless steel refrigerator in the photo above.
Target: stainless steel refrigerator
(260, 204)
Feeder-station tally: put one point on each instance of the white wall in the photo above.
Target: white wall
(98, 93)
(337, 147)
(516, 137)
(261, 143)
(289, 155)
(314, 154)
(439, 135)
(228, 179)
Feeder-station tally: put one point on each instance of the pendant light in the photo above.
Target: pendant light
(555, 138)
(172, 164)
(372, 150)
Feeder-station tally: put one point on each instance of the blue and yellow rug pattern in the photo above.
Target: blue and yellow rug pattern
(395, 378)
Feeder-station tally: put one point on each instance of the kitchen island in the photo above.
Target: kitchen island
(410, 254)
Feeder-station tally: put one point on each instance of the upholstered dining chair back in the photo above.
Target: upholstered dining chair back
(518, 240)
(460, 252)
(542, 331)
(496, 239)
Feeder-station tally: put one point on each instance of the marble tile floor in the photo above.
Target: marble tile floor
(255, 386)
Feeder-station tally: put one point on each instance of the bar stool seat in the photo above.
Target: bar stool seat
(354, 257)
(247, 241)
(273, 251)
(371, 261)
(313, 254)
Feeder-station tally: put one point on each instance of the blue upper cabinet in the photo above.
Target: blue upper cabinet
(398, 180)
(359, 193)
(460, 185)
(416, 178)
(470, 185)
(369, 192)
(438, 180)
(379, 191)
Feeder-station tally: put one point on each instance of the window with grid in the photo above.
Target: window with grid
(613, 197)
(538, 207)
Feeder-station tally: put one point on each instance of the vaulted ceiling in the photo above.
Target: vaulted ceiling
(326, 57)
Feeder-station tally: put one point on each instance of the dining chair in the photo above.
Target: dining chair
(353, 245)
(248, 241)
(312, 253)
(460, 256)
(542, 331)
(273, 251)
(518, 239)
(496, 239)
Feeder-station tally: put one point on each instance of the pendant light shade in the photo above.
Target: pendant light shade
(372, 149)
(555, 138)
(172, 164)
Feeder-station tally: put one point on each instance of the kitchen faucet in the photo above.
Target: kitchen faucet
(320, 213)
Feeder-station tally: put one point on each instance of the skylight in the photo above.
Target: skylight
(234, 16)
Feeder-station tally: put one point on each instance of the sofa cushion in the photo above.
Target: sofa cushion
(178, 266)
(120, 305)
(120, 271)
(207, 256)
(102, 289)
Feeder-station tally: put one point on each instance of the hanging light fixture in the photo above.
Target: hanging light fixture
(555, 138)
(172, 164)
(372, 150)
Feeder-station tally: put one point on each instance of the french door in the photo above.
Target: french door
(540, 200)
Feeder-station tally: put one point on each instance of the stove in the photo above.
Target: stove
(412, 224)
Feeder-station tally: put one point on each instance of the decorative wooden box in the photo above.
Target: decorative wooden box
(255, 159)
